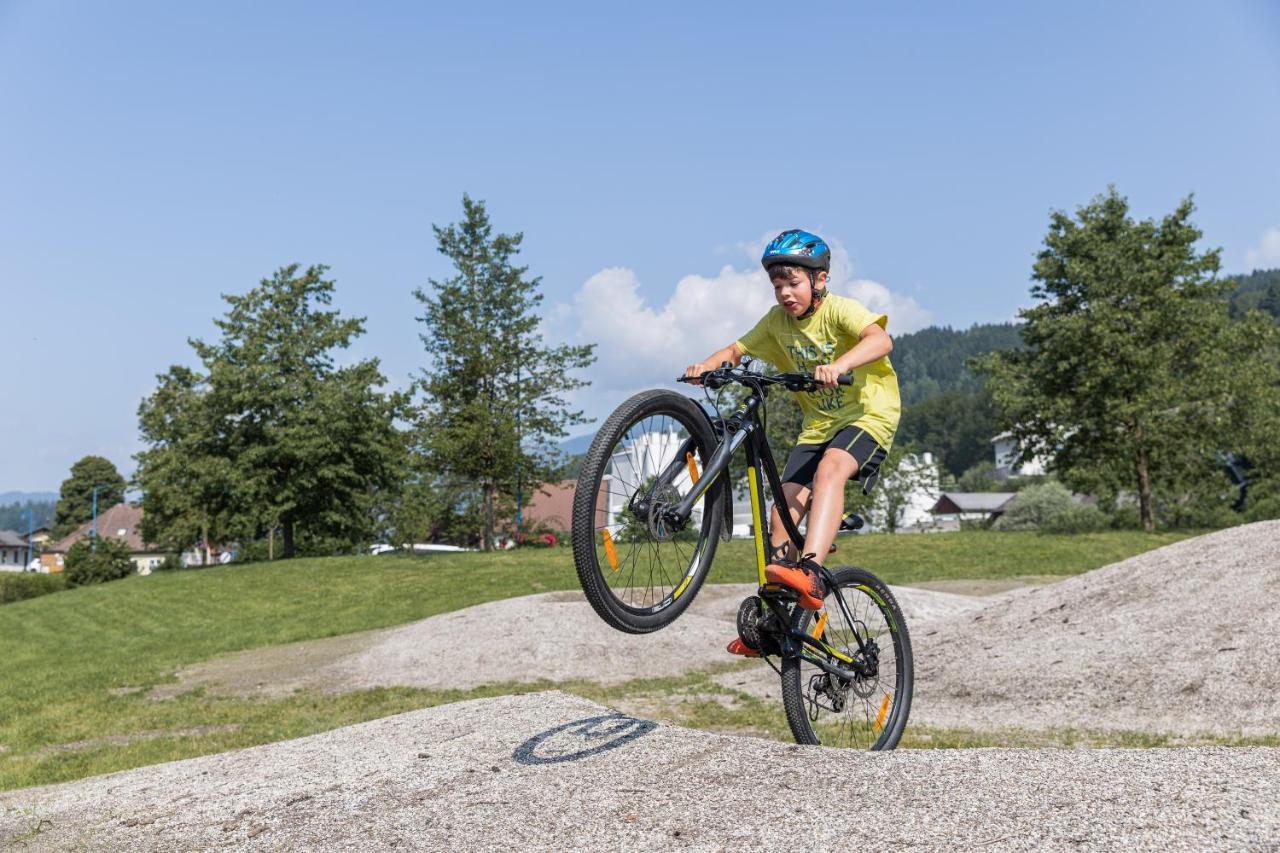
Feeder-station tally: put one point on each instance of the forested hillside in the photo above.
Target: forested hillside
(945, 408)
(14, 516)
(932, 361)
(1259, 289)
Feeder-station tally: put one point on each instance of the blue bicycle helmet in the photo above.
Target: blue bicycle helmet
(798, 248)
(801, 249)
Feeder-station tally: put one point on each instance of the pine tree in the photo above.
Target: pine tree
(495, 393)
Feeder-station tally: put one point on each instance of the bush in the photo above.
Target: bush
(1049, 506)
(1077, 518)
(84, 565)
(170, 563)
(16, 586)
(1196, 514)
(1126, 517)
(980, 477)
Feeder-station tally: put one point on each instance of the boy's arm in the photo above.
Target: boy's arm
(732, 354)
(873, 343)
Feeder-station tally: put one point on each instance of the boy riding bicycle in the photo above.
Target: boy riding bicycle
(847, 430)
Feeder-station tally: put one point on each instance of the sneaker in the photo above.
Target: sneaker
(801, 578)
(737, 647)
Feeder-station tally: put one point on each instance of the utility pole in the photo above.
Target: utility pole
(519, 503)
(31, 525)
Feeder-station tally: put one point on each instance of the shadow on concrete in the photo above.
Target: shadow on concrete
(580, 739)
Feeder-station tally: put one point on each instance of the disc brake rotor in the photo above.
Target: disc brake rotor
(659, 502)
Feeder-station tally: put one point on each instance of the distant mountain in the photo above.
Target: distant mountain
(932, 361)
(23, 497)
(577, 445)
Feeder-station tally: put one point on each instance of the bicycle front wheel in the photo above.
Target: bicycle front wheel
(859, 713)
(638, 573)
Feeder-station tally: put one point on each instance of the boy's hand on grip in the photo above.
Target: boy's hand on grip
(826, 375)
(693, 373)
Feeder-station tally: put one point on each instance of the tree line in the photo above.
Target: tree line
(270, 436)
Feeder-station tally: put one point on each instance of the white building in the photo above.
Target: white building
(921, 472)
(635, 466)
(13, 551)
(1006, 457)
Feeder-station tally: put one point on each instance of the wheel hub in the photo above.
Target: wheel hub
(659, 501)
(864, 685)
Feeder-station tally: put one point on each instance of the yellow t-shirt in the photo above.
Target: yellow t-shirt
(871, 402)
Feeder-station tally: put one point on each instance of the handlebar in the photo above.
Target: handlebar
(722, 376)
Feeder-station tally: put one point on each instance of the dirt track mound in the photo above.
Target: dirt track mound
(550, 771)
(553, 636)
(1183, 639)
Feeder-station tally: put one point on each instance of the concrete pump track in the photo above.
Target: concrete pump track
(1183, 640)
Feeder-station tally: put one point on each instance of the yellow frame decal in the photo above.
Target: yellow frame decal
(757, 524)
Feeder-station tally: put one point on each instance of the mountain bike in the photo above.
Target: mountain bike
(652, 502)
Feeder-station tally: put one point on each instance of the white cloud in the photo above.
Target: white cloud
(645, 343)
(1267, 253)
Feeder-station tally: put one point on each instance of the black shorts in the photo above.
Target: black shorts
(802, 464)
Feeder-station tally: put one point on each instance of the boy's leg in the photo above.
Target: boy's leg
(835, 469)
(797, 496)
(797, 479)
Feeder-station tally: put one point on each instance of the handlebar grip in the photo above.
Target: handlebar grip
(844, 379)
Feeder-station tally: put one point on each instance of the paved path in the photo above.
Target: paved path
(549, 770)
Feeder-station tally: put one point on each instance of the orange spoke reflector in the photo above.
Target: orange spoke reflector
(884, 709)
(693, 467)
(609, 550)
(820, 627)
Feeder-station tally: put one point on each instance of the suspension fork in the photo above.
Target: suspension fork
(639, 502)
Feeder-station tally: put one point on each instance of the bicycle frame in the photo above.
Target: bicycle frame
(744, 426)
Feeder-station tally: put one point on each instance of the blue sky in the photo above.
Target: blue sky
(157, 155)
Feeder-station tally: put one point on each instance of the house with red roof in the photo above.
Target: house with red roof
(122, 522)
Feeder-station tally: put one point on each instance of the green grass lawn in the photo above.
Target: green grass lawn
(66, 659)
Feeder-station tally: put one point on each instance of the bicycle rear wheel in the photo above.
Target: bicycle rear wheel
(637, 572)
(862, 713)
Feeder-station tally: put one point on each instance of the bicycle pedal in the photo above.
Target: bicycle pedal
(778, 591)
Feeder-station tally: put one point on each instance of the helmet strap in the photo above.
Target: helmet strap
(815, 295)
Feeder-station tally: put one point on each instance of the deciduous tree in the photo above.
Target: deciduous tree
(1134, 376)
(274, 433)
(75, 504)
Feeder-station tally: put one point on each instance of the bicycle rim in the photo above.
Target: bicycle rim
(864, 713)
(639, 573)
